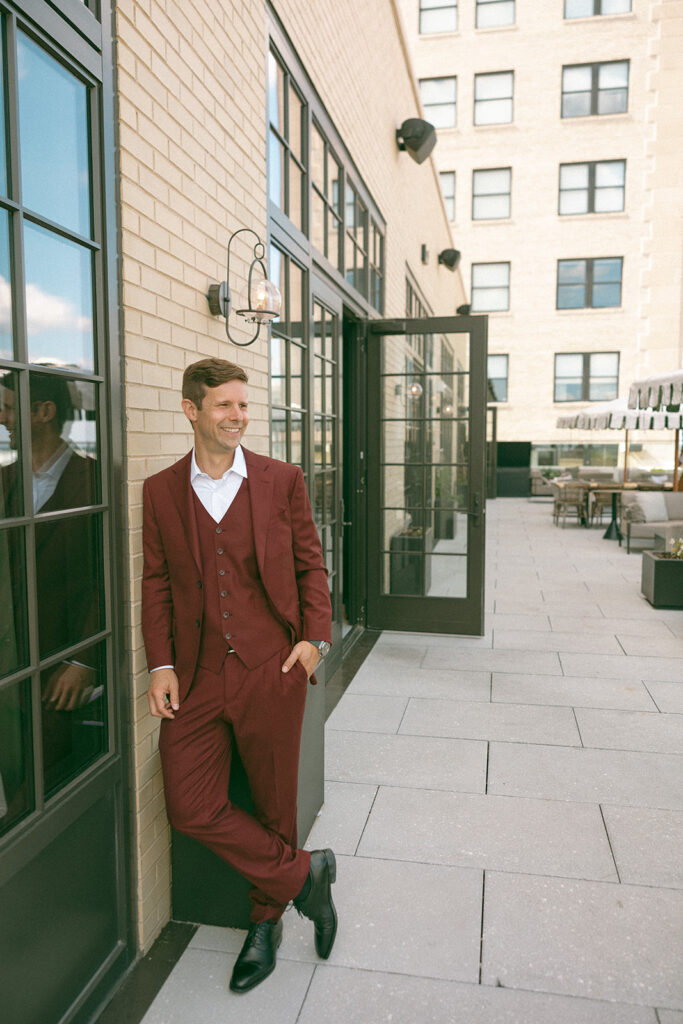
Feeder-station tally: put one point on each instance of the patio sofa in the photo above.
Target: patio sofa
(645, 513)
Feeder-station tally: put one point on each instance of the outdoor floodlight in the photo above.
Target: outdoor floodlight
(464, 310)
(416, 137)
(264, 301)
(450, 258)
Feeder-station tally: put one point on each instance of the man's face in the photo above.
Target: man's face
(222, 420)
(8, 416)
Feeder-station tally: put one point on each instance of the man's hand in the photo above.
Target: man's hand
(163, 684)
(69, 687)
(307, 654)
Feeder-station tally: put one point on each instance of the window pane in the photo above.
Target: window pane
(569, 365)
(53, 134)
(609, 200)
(490, 182)
(490, 300)
(494, 13)
(3, 136)
(278, 442)
(577, 79)
(278, 370)
(441, 115)
(16, 756)
(492, 87)
(59, 299)
(489, 207)
(573, 176)
(610, 172)
(578, 8)
(497, 366)
(6, 345)
(318, 214)
(438, 16)
(276, 94)
(13, 614)
(606, 295)
(604, 364)
(68, 556)
(447, 179)
(490, 274)
(276, 171)
(571, 271)
(438, 90)
(602, 390)
(615, 6)
(318, 159)
(74, 716)
(613, 75)
(296, 439)
(333, 187)
(571, 296)
(607, 270)
(576, 104)
(296, 184)
(574, 201)
(568, 390)
(295, 123)
(11, 485)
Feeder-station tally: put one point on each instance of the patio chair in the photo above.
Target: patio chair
(601, 502)
(571, 501)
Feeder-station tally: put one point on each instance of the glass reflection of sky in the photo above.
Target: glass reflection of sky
(5, 290)
(53, 135)
(3, 137)
(59, 307)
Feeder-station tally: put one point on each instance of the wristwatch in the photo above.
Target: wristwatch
(323, 647)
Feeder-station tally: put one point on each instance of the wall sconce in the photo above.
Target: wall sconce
(415, 390)
(264, 301)
(464, 310)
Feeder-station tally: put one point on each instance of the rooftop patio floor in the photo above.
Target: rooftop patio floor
(507, 814)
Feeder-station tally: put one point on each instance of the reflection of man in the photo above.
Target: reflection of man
(61, 479)
(235, 598)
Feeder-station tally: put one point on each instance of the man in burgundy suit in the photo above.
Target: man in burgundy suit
(235, 616)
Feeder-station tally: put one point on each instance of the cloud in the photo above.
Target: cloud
(44, 312)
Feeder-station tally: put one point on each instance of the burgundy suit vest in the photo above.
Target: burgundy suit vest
(237, 613)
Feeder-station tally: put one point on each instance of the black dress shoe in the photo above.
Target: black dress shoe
(317, 904)
(257, 956)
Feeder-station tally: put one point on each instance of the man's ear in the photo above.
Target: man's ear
(190, 409)
(43, 411)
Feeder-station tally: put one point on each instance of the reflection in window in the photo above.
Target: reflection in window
(589, 8)
(13, 614)
(326, 213)
(3, 137)
(16, 759)
(356, 240)
(287, 350)
(595, 89)
(376, 295)
(73, 716)
(6, 344)
(589, 284)
(497, 372)
(11, 488)
(53, 134)
(586, 376)
(286, 143)
(59, 299)
(595, 187)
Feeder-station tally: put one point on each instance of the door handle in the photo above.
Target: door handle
(342, 514)
(475, 511)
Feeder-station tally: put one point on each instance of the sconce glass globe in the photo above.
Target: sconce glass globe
(415, 390)
(265, 303)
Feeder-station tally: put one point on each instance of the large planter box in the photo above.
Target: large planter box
(662, 581)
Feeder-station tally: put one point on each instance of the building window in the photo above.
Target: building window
(497, 372)
(588, 8)
(286, 143)
(447, 179)
(438, 16)
(490, 287)
(493, 98)
(596, 187)
(376, 258)
(289, 408)
(326, 210)
(491, 193)
(595, 89)
(586, 376)
(589, 284)
(356, 240)
(439, 101)
(495, 13)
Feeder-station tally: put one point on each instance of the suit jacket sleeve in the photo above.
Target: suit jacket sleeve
(309, 567)
(157, 604)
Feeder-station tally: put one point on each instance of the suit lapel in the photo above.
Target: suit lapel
(260, 482)
(181, 491)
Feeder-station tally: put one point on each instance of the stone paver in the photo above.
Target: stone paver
(507, 813)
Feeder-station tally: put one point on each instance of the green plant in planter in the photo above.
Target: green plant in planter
(675, 551)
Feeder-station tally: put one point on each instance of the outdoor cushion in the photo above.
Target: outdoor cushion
(648, 506)
(674, 505)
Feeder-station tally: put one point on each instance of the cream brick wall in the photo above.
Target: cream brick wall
(192, 138)
(646, 329)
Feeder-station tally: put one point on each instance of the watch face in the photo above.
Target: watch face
(324, 648)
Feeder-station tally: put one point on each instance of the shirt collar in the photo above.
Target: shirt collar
(239, 466)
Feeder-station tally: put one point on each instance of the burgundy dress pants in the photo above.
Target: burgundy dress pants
(261, 710)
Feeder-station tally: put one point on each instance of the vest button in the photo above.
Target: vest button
(199, 584)
(220, 551)
(197, 622)
(221, 572)
(218, 529)
(224, 593)
(228, 636)
(226, 615)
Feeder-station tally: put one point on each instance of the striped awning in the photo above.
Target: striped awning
(658, 392)
(617, 416)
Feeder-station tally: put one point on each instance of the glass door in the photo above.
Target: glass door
(426, 474)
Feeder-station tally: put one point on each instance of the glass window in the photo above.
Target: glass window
(439, 97)
(596, 187)
(589, 8)
(589, 283)
(438, 16)
(586, 376)
(495, 13)
(6, 343)
(13, 606)
(376, 258)
(326, 213)
(286, 143)
(491, 193)
(11, 483)
(16, 756)
(490, 287)
(493, 98)
(3, 137)
(356, 249)
(59, 299)
(53, 134)
(289, 413)
(595, 89)
(497, 372)
(447, 179)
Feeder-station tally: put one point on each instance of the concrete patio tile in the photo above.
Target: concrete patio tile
(544, 837)
(516, 723)
(670, 1016)
(574, 691)
(341, 996)
(586, 643)
(536, 622)
(667, 696)
(631, 730)
(417, 919)
(591, 624)
(406, 682)
(390, 654)
(572, 606)
(497, 661)
(342, 818)
(596, 776)
(368, 713)
(196, 992)
(593, 939)
(647, 845)
(677, 627)
(652, 646)
(610, 666)
(633, 607)
(424, 762)
(449, 640)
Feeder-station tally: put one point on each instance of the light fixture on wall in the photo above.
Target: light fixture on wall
(264, 301)
(417, 138)
(415, 390)
(450, 258)
(464, 310)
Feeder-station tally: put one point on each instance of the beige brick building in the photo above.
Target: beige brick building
(523, 89)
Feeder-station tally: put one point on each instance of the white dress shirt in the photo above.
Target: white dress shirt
(216, 495)
(45, 479)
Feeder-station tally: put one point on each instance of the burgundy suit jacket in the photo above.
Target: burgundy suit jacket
(288, 554)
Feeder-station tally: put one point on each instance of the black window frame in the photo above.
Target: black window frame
(591, 188)
(597, 11)
(427, 6)
(589, 282)
(485, 195)
(595, 89)
(491, 380)
(586, 377)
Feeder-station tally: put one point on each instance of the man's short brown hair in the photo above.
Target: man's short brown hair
(209, 373)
